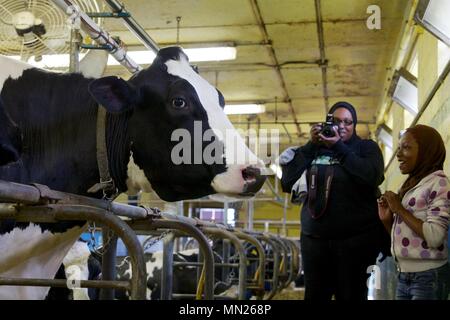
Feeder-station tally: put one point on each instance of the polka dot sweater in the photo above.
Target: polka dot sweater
(428, 201)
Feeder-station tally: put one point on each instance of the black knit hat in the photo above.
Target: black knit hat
(345, 105)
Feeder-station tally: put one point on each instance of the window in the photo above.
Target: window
(443, 56)
(404, 91)
(217, 215)
(384, 135)
(433, 16)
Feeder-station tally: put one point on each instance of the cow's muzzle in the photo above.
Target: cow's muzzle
(253, 181)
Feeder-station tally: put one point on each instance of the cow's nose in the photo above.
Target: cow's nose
(253, 180)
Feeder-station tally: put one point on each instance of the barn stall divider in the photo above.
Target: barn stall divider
(37, 203)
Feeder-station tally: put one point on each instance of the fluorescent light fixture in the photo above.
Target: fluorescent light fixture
(384, 134)
(211, 54)
(245, 108)
(140, 57)
(404, 91)
(49, 60)
(433, 16)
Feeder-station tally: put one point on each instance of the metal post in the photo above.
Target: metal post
(75, 42)
(190, 210)
(108, 261)
(286, 202)
(225, 244)
(262, 261)
(100, 36)
(250, 210)
(167, 268)
(242, 256)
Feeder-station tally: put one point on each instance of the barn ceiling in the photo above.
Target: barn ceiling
(278, 54)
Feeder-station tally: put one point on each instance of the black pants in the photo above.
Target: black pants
(338, 267)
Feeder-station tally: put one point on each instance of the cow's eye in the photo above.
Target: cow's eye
(178, 103)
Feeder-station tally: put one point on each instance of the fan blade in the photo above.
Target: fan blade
(43, 43)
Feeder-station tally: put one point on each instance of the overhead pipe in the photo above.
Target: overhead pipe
(132, 25)
(99, 35)
(275, 62)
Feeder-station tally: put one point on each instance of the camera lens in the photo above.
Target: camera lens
(328, 131)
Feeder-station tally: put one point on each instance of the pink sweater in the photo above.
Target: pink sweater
(428, 201)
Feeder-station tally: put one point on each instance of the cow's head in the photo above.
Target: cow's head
(169, 96)
(10, 138)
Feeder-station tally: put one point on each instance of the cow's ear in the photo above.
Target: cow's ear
(113, 93)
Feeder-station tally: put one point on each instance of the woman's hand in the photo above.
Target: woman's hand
(393, 201)
(330, 141)
(384, 212)
(315, 131)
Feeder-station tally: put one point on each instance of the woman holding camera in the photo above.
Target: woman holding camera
(341, 234)
(417, 218)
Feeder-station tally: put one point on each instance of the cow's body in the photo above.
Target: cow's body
(10, 138)
(57, 114)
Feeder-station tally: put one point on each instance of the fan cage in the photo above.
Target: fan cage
(32, 45)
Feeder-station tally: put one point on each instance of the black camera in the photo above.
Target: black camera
(327, 127)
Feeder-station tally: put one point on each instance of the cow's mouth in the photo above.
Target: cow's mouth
(253, 181)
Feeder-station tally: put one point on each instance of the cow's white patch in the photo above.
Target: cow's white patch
(237, 155)
(136, 180)
(31, 253)
(76, 261)
(11, 68)
(229, 181)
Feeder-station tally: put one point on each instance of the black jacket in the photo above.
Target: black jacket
(352, 207)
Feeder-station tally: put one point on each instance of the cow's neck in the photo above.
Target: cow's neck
(118, 146)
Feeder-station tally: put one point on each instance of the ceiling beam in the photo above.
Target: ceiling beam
(275, 62)
(323, 61)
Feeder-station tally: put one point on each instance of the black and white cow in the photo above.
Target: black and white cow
(184, 278)
(10, 138)
(57, 114)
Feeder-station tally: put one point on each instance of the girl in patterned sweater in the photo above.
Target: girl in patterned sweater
(417, 218)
